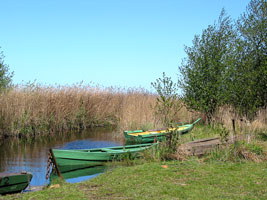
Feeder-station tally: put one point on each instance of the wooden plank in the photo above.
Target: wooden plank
(199, 147)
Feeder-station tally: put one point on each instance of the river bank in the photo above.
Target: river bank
(167, 180)
(237, 171)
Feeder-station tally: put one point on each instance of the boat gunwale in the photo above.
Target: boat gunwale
(161, 133)
(116, 149)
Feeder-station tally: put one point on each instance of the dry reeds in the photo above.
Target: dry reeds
(38, 110)
(226, 115)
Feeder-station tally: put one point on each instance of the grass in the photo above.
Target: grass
(223, 174)
(200, 131)
(182, 180)
(167, 180)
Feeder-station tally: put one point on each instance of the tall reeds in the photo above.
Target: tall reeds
(32, 109)
(226, 115)
(36, 110)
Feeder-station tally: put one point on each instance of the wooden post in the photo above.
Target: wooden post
(55, 162)
(233, 121)
(234, 135)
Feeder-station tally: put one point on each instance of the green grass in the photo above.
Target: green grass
(216, 178)
(200, 131)
(181, 180)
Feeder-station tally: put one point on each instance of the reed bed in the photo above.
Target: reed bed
(30, 110)
(33, 109)
(227, 114)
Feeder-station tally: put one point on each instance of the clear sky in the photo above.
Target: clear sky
(126, 43)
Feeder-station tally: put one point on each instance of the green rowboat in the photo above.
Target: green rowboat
(141, 136)
(68, 160)
(14, 182)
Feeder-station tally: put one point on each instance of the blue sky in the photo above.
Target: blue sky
(126, 43)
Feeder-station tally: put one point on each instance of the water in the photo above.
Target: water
(81, 178)
(17, 156)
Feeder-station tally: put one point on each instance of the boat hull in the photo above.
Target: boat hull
(68, 160)
(140, 136)
(13, 183)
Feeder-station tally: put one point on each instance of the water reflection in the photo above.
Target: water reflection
(81, 174)
(17, 156)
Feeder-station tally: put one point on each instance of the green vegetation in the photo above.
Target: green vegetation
(238, 152)
(249, 91)
(168, 104)
(5, 75)
(226, 65)
(205, 71)
(167, 180)
(235, 171)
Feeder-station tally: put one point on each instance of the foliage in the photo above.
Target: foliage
(5, 75)
(224, 134)
(255, 148)
(205, 70)
(227, 64)
(263, 135)
(164, 150)
(238, 152)
(168, 103)
(249, 76)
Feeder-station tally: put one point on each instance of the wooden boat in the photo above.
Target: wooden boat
(141, 136)
(14, 182)
(68, 160)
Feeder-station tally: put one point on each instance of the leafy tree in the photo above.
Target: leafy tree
(5, 76)
(168, 103)
(205, 70)
(249, 77)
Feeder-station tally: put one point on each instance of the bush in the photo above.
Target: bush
(240, 151)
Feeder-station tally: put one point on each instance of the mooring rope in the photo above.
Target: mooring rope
(50, 167)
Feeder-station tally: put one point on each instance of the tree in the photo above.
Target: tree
(249, 80)
(205, 70)
(5, 76)
(168, 103)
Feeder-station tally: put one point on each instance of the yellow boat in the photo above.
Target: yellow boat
(141, 136)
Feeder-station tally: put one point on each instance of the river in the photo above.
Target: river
(17, 156)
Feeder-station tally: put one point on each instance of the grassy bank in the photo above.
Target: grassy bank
(236, 171)
(167, 180)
